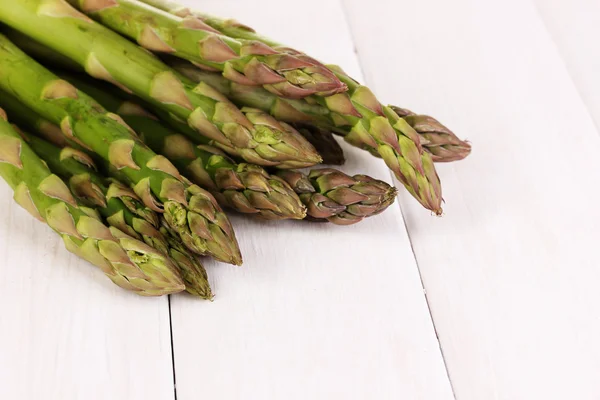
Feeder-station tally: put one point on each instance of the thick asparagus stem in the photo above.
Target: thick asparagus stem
(129, 263)
(330, 195)
(106, 55)
(243, 187)
(25, 117)
(122, 209)
(248, 62)
(39, 51)
(191, 211)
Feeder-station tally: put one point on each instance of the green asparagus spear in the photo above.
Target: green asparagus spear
(191, 211)
(435, 138)
(106, 55)
(190, 267)
(129, 263)
(39, 51)
(438, 140)
(243, 187)
(243, 61)
(25, 117)
(121, 208)
(330, 195)
(372, 126)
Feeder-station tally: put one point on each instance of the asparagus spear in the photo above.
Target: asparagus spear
(106, 55)
(436, 139)
(190, 267)
(373, 127)
(25, 117)
(191, 211)
(128, 262)
(122, 209)
(243, 187)
(440, 141)
(135, 219)
(243, 61)
(39, 51)
(330, 195)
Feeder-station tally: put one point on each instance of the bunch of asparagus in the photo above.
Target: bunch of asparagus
(132, 124)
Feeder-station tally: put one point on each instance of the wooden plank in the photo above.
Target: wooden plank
(511, 270)
(317, 311)
(574, 28)
(66, 332)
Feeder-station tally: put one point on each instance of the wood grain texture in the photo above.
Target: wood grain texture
(317, 311)
(511, 270)
(66, 332)
(575, 26)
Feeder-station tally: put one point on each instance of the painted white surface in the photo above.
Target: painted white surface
(66, 332)
(511, 271)
(574, 26)
(323, 312)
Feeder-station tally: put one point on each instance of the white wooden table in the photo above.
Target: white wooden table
(499, 299)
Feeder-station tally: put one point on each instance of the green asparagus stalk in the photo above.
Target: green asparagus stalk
(106, 55)
(242, 61)
(25, 117)
(191, 211)
(379, 130)
(190, 266)
(129, 263)
(372, 126)
(122, 209)
(243, 187)
(246, 188)
(365, 123)
(435, 138)
(38, 51)
(330, 195)
(438, 140)
(323, 140)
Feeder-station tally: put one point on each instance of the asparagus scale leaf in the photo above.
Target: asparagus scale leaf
(191, 211)
(129, 263)
(244, 61)
(107, 56)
